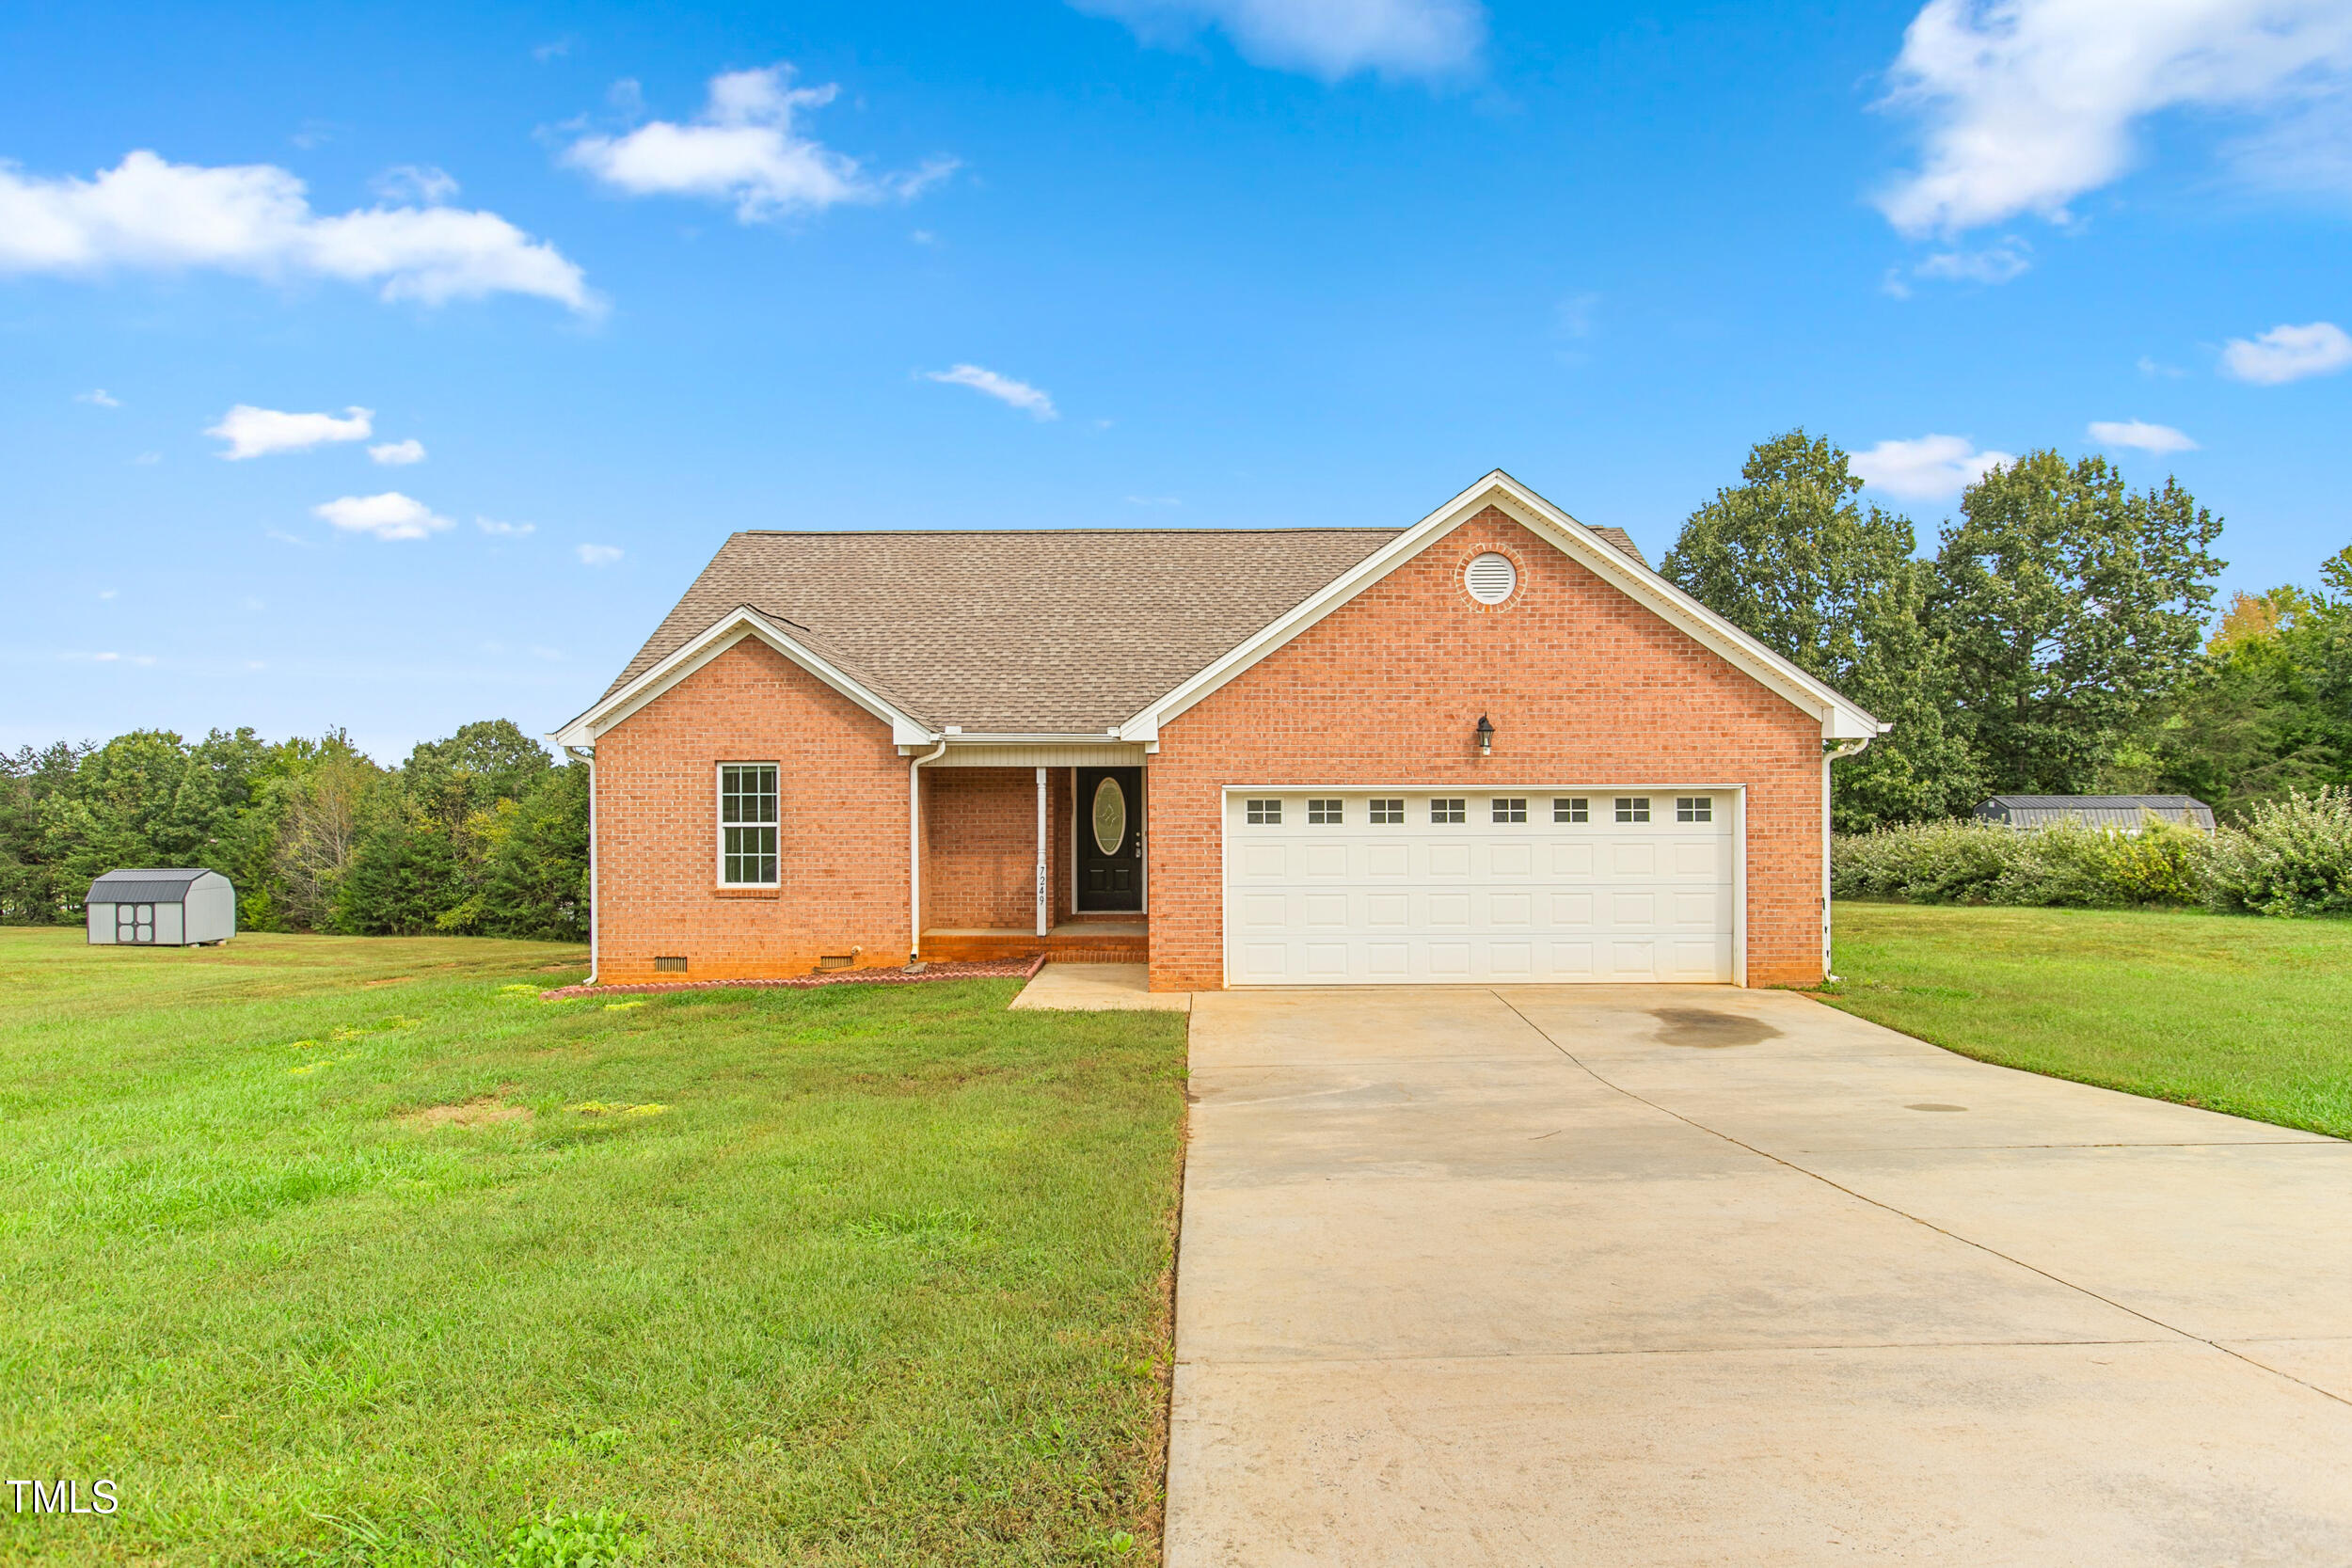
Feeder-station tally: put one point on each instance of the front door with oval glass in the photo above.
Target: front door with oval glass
(1109, 823)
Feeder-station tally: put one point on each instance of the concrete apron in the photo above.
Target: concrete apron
(1673, 1275)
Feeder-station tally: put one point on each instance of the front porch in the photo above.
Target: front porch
(1079, 941)
(1019, 860)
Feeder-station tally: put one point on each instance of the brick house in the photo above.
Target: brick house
(1488, 748)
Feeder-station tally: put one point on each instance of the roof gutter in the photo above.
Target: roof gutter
(914, 850)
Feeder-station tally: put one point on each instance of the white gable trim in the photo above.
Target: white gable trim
(905, 730)
(1840, 719)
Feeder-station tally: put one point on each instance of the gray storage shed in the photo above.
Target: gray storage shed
(161, 908)
(2125, 812)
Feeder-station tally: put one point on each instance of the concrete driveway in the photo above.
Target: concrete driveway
(1671, 1275)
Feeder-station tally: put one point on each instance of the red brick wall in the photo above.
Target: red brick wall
(842, 838)
(1582, 685)
(980, 825)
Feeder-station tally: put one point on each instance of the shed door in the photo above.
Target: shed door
(1346, 887)
(135, 923)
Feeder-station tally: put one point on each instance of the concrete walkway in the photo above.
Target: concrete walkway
(1679, 1275)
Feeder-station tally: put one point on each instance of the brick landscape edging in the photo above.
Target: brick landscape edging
(1001, 969)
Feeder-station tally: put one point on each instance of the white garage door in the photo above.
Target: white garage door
(1347, 887)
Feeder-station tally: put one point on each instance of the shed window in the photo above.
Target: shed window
(1449, 808)
(1266, 814)
(747, 824)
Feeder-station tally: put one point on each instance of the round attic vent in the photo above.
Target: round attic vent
(1490, 577)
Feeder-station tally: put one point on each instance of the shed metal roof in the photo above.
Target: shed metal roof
(1047, 630)
(151, 885)
(2095, 810)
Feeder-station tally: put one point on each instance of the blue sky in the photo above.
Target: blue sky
(629, 281)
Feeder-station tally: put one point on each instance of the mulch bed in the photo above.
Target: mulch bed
(997, 968)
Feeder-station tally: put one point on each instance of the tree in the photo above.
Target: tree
(536, 880)
(2265, 714)
(1792, 557)
(2071, 605)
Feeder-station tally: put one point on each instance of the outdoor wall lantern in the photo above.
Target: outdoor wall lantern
(1486, 738)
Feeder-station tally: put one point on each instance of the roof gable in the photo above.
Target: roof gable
(1613, 564)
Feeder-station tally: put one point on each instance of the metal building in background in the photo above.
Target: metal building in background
(161, 908)
(2123, 813)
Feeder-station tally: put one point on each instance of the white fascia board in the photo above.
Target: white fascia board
(905, 730)
(1839, 718)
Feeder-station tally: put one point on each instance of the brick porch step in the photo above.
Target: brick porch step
(1074, 941)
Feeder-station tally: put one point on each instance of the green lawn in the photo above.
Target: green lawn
(2251, 1017)
(858, 1275)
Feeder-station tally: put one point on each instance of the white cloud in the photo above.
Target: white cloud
(2029, 103)
(107, 592)
(420, 184)
(1932, 468)
(148, 459)
(252, 432)
(2158, 438)
(398, 454)
(255, 221)
(1997, 263)
(2288, 354)
(1004, 389)
(389, 515)
(98, 398)
(598, 555)
(1325, 39)
(742, 148)
(2157, 370)
(140, 659)
(511, 530)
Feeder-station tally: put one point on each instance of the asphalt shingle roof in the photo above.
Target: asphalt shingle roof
(1059, 631)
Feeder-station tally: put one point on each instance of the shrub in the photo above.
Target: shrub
(1965, 861)
(2293, 857)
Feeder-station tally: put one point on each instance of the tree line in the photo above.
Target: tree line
(481, 834)
(2060, 638)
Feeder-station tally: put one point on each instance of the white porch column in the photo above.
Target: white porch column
(1044, 905)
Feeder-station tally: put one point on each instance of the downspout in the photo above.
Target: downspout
(914, 851)
(1831, 751)
(586, 755)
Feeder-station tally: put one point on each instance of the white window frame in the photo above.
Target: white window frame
(719, 823)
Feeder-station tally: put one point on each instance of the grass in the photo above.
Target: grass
(2251, 1017)
(870, 1275)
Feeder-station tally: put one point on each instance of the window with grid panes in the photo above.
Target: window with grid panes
(1266, 814)
(1572, 808)
(747, 824)
(1632, 808)
(1386, 811)
(1322, 810)
(1694, 808)
(1449, 808)
(1510, 809)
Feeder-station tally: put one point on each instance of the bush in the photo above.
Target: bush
(1965, 861)
(2293, 857)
